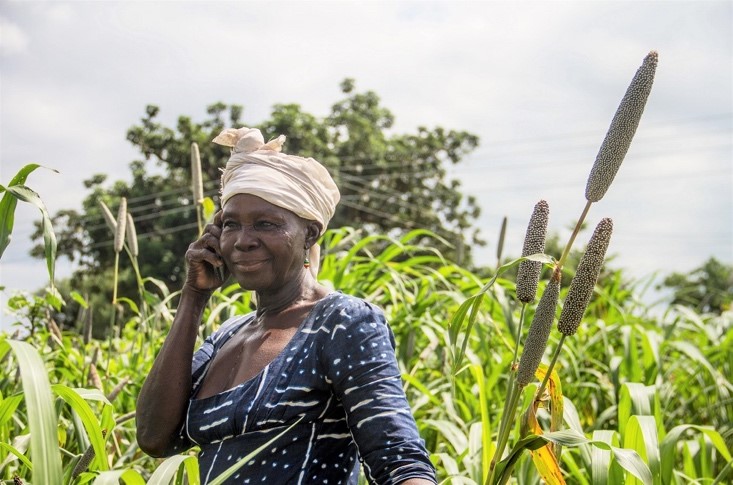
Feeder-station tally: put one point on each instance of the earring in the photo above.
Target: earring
(306, 261)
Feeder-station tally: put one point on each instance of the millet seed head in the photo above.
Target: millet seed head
(108, 217)
(85, 460)
(121, 223)
(581, 287)
(622, 129)
(528, 273)
(131, 234)
(539, 331)
(196, 177)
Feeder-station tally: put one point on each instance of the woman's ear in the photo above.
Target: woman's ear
(312, 232)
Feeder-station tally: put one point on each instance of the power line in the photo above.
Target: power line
(647, 126)
(150, 234)
(135, 209)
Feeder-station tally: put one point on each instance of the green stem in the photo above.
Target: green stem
(541, 389)
(507, 421)
(569, 245)
(512, 366)
(506, 474)
(519, 335)
(114, 282)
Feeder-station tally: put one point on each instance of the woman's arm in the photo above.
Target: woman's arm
(360, 362)
(163, 399)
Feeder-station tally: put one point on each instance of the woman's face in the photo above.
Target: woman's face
(262, 244)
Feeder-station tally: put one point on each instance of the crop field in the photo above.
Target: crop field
(631, 398)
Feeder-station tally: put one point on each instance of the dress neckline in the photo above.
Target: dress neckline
(246, 320)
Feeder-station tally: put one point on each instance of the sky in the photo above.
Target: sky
(537, 82)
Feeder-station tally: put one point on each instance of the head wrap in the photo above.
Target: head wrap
(300, 185)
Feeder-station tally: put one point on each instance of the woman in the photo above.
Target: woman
(311, 373)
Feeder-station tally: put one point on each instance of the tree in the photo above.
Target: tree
(390, 183)
(707, 289)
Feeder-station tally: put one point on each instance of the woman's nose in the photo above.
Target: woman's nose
(246, 239)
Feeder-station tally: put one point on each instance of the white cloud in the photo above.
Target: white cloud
(13, 40)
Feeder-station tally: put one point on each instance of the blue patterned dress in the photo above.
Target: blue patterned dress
(338, 380)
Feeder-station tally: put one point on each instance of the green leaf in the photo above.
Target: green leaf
(634, 399)
(693, 352)
(89, 419)
(129, 476)
(530, 442)
(49, 237)
(79, 299)
(133, 306)
(601, 457)
(8, 407)
(486, 442)
(724, 474)
(570, 415)
(8, 203)
(209, 208)
(54, 298)
(17, 453)
(628, 459)
(451, 432)
(42, 422)
(641, 436)
(668, 447)
(539, 257)
(167, 470)
(93, 394)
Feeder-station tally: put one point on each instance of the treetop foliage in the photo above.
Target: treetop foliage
(390, 182)
(707, 289)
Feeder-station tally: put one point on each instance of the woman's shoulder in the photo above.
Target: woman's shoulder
(341, 305)
(340, 311)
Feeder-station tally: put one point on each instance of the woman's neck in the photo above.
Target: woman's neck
(303, 291)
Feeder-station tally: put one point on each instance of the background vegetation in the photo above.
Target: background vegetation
(656, 384)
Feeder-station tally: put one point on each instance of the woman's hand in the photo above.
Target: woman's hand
(206, 269)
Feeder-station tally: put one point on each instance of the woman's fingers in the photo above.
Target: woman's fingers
(202, 254)
(206, 269)
(210, 242)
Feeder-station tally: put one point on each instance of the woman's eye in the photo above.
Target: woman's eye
(228, 224)
(264, 225)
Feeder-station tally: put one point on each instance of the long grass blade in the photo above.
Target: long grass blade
(601, 457)
(89, 420)
(8, 204)
(23, 459)
(167, 470)
(634, 399)
(628, 459)
(129, 477)
(641, 436)
(42, 421)
(8, 407)
(486, 441)
(668, 447)
(49, 237)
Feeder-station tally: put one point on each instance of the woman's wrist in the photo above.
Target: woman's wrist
(191, 292)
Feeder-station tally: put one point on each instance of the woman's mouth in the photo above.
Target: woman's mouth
(249, 266)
